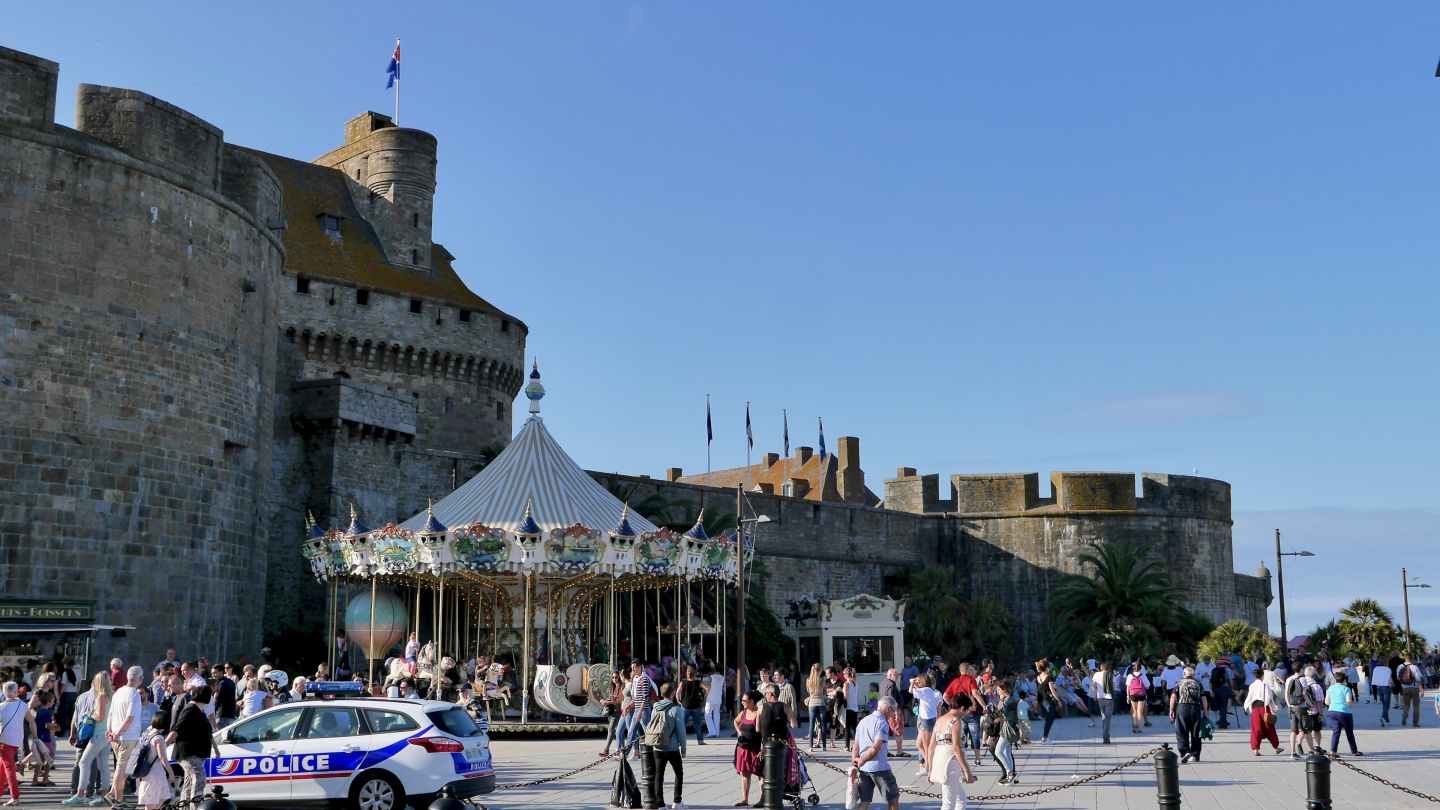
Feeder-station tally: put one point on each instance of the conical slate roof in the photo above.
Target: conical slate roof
(536, 470)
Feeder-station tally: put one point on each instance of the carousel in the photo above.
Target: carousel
(537, 574)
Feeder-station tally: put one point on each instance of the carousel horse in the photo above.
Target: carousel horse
(573, 692)
(493, 689)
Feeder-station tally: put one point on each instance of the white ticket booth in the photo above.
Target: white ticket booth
(867, 632)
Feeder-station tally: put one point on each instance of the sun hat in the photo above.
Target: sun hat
(1172, 661)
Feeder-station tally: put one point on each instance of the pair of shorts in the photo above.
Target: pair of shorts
(927, 723)
(882, 782)
(1134, 699)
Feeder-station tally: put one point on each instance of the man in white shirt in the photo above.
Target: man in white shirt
(123, 727)
(169, 659)
(1202, 672)
(1381, 678)
(1252, 670)
(1172, 673)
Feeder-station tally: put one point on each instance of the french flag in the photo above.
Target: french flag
(393, 72)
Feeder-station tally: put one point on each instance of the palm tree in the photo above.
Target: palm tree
(1327, 637)
(1366, 627)
(1125, 605)
(1239, 637)
(487, 455)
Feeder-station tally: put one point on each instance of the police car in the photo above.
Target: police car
(338, 747)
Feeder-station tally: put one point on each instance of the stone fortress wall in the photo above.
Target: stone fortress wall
(200, 343)
(138, 284)
(1003, 539)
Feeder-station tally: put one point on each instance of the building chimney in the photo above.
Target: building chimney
(802, 454)
(850, 480)
(768, 460)
(673, 473)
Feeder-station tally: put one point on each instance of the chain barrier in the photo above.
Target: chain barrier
(620, 752)
(1385, 782)
(996, 796)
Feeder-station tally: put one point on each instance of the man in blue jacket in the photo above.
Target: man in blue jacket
(669, 750)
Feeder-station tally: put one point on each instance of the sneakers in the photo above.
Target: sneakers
(678, 806)
(1185, 759)
(98, 801)
(74, 801)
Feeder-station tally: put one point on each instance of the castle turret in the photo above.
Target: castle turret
(393, 169)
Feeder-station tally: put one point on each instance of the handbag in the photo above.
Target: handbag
(87, 728)
(1270, 716)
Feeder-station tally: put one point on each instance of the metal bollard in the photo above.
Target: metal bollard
(446, 800)
(772, 795)
(1317, 782)
(1167, 778)
(218, 800)
(648, 799)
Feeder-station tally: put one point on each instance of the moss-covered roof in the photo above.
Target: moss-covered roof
(358, 258)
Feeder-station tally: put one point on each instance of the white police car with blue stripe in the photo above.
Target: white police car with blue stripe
(362, 752)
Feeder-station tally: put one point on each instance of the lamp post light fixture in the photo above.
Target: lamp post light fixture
(1405, 580)
(1280, 579)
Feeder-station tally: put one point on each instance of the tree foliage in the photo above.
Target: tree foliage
(1365, 627)
(1123, 606)
(941, 619)
(1239, 637)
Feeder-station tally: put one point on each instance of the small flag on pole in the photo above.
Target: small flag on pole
(749, 436)
(709, 428)
(786, 417)
(393, 72)
(822, 441)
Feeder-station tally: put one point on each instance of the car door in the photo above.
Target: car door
(329, 749)
(254, 756)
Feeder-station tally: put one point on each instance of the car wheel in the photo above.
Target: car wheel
(376, 790)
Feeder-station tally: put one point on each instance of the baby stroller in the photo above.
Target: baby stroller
(798, 783)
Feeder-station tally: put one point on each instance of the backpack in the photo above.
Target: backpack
(1407, 675)
(142, 760)
(657, 731)
(1297, 696)
(1135, 686)
(1219, 677)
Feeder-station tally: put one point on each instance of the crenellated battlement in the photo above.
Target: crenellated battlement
(1071, 492)
(152, 130)
(28, 90)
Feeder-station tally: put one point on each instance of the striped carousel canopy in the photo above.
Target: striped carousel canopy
(532, 471)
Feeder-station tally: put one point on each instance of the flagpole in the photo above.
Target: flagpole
(749, 445)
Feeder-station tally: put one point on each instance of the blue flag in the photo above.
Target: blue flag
(393, 72)
(822, 441)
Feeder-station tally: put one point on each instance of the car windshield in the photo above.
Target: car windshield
(455, 722)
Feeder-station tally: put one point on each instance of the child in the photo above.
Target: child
(872, 697)
(412, 648)
(43, 749)
(1022, 713)
(153, 787)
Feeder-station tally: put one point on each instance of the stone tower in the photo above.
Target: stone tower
(199, 343)
(139, 272)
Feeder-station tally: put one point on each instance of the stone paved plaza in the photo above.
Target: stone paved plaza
(1230, 775)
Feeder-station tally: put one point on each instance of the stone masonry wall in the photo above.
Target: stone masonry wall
(136, 382)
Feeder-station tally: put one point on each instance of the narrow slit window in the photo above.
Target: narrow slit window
(464, 316)
(302, 285)
(362, 297)
(416, 306)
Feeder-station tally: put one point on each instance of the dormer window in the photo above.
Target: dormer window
(329, 223)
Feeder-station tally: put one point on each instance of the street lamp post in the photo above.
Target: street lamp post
(1280, 579)
(741, 673)
(1405, 581)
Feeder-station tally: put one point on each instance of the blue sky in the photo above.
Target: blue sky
(983, 238)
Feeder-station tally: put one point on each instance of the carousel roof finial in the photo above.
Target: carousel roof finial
(528, 527)
(313, 532)
(356, 527)
(622, 530)
(433, 524)
(697, 532)
(535, 391)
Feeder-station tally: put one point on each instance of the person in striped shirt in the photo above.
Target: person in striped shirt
(641, 689)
